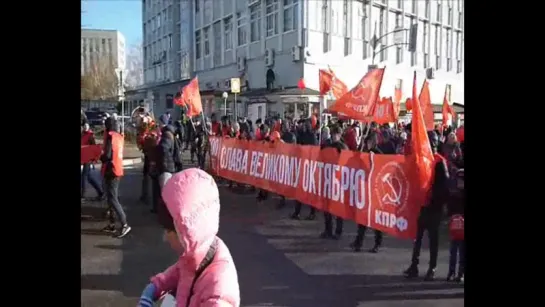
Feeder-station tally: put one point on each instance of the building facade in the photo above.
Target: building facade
(166, 29)
(97, 45)
(272, 44)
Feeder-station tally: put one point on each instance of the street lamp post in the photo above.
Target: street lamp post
(224, 95)
(399, 39)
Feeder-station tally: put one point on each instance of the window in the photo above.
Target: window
(400, 4)
(381, 24)
(165, 71)
(399, 49)
(364, 34)
(458, 45)
(158, 20)
(228, 33)
(271, 11)
(241, 30)
(326, 27)
(165, 16)
(427, 9)
(169, 13)
(449, 13)
(206, 34)
(425, 36)
(218, 50)
(414, 6)
(160, 45)
(460, 19)
(255, 23)
(458, 66)
(197, 5)
(437, 40)
(291, 18)
(346, 21)
(198, 44)
(170, 41)
(426, 60)
(438, 12)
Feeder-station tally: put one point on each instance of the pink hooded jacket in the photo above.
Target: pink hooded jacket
(192, 198)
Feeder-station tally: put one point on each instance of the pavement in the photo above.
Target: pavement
(280, 262)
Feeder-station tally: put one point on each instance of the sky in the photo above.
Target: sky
(122, 15)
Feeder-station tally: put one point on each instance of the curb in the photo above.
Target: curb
(126, 162)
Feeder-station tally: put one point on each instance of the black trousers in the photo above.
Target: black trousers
(111, 185)
(155, 192)
(86, 175)
(328, 221)
(201, 158)
(361, 235)
(145, 179)
(428, 220)
(299, 205)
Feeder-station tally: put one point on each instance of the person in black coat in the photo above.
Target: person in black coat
(333, 142)
(306, 137)
(370, 146)
(431, 214)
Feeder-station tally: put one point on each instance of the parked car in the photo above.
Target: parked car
(95, 118)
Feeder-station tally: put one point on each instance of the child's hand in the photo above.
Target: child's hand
(147, 297)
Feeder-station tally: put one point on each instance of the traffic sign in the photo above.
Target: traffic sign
(235, 85)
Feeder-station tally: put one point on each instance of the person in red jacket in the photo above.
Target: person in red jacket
(88, 138)
(456, 230)
(349, 138)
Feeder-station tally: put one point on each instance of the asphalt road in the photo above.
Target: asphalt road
(280, 262)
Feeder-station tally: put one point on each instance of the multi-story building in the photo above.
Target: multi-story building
(103, 47)
(98, 46)
(272, 44)
(282, 41)
(166, 52)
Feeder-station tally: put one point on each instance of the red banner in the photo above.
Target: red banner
(90, 153)
(373, 190)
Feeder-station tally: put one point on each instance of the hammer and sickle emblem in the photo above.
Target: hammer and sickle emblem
(360, 92)
(394, 196)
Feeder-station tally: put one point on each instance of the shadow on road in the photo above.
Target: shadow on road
(267, 276)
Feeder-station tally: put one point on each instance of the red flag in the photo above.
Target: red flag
(397, 102)
(421, 149)
(329, 81)
(301, 84)
(359, 102)
(426, 106)
(409, 104)
(384, 111)
(178, 100)
(191, 97)
(447, 109)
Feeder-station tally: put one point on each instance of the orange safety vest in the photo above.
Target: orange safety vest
(117, 154)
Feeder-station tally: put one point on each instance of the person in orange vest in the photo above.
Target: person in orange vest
(88, 138)
(112, 170)
(431, 213)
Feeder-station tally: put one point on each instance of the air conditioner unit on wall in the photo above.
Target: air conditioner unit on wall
(295, 53)
(430, 73)
(269, 57)
(241, 63)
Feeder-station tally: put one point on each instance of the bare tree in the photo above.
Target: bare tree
(100, 82)
(134, 76)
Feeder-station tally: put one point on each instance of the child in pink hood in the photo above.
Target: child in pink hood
(205, 274)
